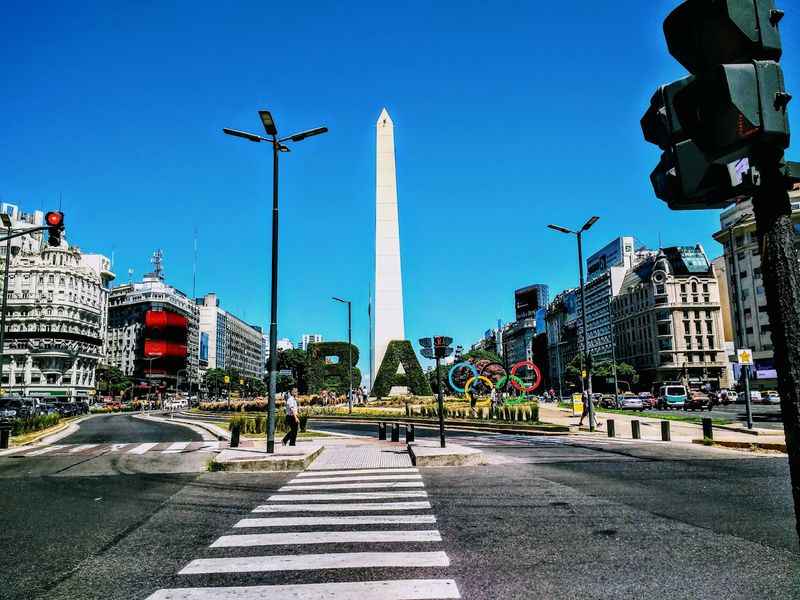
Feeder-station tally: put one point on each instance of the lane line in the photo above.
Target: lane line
(336, 507)
(325, 537)
(83, 447)
(346, 496)
(176, 447)
(355, 485)
(409, 477)
(401, 589)
(322, 472)
(314, 562)
(46, 450)
(142, 448)
(347, 520)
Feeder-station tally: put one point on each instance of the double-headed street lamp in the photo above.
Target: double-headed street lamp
(349, 353)
(277, 146)
(586, 375)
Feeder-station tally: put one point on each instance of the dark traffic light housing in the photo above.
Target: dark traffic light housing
(55, 226)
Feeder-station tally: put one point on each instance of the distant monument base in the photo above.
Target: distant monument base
(398, 390)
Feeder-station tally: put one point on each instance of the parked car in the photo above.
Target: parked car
(7, 410)
(755, 397)
(607, 401)
(725, 396)
(671, 396)
(648, 400)
(629, 401)
(697, 400)
(771, 397)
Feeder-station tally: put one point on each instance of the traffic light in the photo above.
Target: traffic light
(441, 346)
(55, 225)
(715, 124)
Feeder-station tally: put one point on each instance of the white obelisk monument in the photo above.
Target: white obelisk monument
(388, 277)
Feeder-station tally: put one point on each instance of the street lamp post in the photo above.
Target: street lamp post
(151, 358)
(277, 146)
(349, 353)
(587, 361)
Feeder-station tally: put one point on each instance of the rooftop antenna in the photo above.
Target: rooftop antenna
(158, 264)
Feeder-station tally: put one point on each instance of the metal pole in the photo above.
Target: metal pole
(587, 360)
(748, 409)
(737, 286)
(773, 212)
(613, 350)
(273, 323)
(349, 358)
(440, 398)
(3, 309)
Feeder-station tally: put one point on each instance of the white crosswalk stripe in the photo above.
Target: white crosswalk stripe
(349, 520)
(349, 507)
(313, 501)
(403, 589)
(175, 448)
(142, 448)
(82, 447)
(354, 485)
(45, 450)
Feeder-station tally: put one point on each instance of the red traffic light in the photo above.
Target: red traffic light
(54, 218)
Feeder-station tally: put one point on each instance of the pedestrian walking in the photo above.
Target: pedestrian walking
(292, 418)
(585, 411)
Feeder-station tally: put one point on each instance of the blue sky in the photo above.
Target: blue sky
(508, 115)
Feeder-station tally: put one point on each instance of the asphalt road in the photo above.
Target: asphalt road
(556, 518)
(123, 429)
(766, 416)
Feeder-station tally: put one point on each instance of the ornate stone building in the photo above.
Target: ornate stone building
(667, 320)
(55, 320)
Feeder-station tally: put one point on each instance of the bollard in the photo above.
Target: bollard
(636, 431)
(381, 431)
(610, 427)
(665, 434)
(236, 430)
(708, 430)
(409, 432)
(395, 432)
(5, 433)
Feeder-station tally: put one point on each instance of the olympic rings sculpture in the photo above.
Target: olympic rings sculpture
(511, 377)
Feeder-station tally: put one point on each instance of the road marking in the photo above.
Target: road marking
(46, 450)
(322, 472)
(363, 507)
(325, 537)
(346, 496)
(314, 562)
(14, 450)
(355, 485)
(208, 446)
(356, 478)
(83, 447)
(348, 520)
(176, 447)
(117, 447)
(142, 448)
(402, 589)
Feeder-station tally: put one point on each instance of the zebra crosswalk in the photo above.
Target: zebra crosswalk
(96, 449)
(379, 532)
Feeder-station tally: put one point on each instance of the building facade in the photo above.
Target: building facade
(562, 335)
(55, 317)
(309, 338)
(667, 320)
(232, 343)
(153, 334)
(748, 303)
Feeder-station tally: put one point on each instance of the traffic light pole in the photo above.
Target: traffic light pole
(273, 320)
(440, 402)
(773, 212)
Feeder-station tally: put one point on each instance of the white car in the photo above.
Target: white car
(755, 397)
(631, 401)
(771, 397)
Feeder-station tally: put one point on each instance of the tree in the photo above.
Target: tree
(214, 380)
(296, 361)
(110, 380)
(477, 355)
(284, 383)
(444, 370)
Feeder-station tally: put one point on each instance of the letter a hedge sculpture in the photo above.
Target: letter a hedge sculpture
(400, 353)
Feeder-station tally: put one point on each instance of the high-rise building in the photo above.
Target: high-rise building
(530, 299)
(748, 303)
(56, 315)
(153, 333)
(232, 343)
(308, 338)
(562, 334)
(667, 319)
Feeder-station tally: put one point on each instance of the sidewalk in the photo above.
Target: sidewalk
(680, 431)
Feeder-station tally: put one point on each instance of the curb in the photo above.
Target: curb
(64, 429)
(452, 459)
(264, 465)
(746, 445)
(217, 432)
(559, 430)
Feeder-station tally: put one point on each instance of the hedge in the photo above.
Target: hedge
(322, 375)
(37, 423)
(400, 352)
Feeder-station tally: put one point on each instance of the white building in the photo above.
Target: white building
(309, 338)
(56, 315)
(232, 343)
(748, 303)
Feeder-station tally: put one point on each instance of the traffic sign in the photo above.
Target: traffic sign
(744, 356)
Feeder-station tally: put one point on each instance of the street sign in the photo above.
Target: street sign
(744, 356)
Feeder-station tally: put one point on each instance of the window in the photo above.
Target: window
(687, 327)
(694, 287)
(762, 308)
(699, 340)
(705, 288)
(664, 329)
(710, 341)
(740, 255)
(739, 240)
(688, 342)
(706, 298)
(742, 274)
(748, 330)
(660, 289)
(756, 251)
(748, 313)
(757, 272)
(760, 291)
(765, 329)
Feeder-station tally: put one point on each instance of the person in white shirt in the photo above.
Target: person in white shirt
(292, 418)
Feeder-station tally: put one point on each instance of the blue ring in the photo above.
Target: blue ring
(469, 365)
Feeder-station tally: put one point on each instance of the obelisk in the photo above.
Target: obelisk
(388, 278)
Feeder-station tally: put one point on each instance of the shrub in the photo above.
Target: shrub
(37, 423)
(303, 421)
(397, 353)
